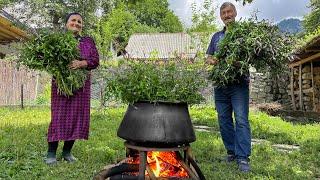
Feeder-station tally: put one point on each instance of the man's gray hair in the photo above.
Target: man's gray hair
(226, 4)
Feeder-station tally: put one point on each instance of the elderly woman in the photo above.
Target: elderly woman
(70, 116)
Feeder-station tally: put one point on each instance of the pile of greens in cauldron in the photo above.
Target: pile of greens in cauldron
(174, 80)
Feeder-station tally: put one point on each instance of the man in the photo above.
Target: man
(233, 97)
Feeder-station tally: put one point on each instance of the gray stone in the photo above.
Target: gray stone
(260, 101)
(262, 95)
(258, 141)
(253, 89)
(202, 130)
(282, 91)
(269, 99)
(254, 95)
(268, 89)
(286, 148)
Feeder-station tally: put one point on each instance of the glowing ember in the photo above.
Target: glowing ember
(164, 164)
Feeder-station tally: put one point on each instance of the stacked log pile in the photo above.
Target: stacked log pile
(304, 91)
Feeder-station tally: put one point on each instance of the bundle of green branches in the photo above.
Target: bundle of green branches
(254, 43)
(155, 81)
(53, 52)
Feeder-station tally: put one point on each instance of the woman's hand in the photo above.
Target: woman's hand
(76, 64)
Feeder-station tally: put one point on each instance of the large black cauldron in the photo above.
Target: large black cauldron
(160, 122)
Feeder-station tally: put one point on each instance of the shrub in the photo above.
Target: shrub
(175, 80)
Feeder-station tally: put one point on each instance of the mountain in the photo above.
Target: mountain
(291, 25)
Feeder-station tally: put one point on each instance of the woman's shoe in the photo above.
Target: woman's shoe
(69, 158)
(51, 161)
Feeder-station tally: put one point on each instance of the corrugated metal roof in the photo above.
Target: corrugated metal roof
(9, 32)
(162, 45)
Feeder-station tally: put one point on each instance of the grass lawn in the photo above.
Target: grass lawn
(23, 147)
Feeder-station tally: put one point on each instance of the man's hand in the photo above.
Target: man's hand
(211, 60)
(76, 64)
(237, 64)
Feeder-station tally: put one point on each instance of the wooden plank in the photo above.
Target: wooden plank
(7, 33)
(10, 35)
(313, 50)
(310, 90)
(302, 61)
(8, 25)
(300, 87)
(312, 86)
(292, 91)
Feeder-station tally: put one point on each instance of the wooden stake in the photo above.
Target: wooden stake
(21, 96)
(313, 88)
(292, 90)
(300, 87)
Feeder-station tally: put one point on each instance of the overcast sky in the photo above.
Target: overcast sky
(274, 10)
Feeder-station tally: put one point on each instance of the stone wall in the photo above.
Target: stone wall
(265, 88)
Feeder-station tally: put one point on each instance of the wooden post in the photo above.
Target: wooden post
(21, 96)
(292, 90)
(102, 104)
(313, 88)
(37, 86)
(300, 87)
(142, 165)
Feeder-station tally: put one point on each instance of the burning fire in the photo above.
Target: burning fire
(165, 164)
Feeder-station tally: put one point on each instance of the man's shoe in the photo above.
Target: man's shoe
(243, 165)
(69, 158)
(51, 161)
(230, 158)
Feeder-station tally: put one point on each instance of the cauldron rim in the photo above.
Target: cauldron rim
(159, 102)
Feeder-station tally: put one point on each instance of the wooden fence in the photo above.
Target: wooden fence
(17, 85)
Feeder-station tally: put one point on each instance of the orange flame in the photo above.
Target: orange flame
(165, 164)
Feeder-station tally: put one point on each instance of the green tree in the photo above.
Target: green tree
(245, 1)
(203, 25)
(312, 20)
(4, 3)
(116, 28)
(52, 12)
(155, 13)
(203, 20)
(170, 23)
(128, 17)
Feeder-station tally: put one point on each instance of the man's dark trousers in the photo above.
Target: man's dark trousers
(228, 99)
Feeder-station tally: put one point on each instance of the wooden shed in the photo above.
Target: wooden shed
(304, 88)
(10, 32)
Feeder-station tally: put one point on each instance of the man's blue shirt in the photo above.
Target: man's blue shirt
(213, 46)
